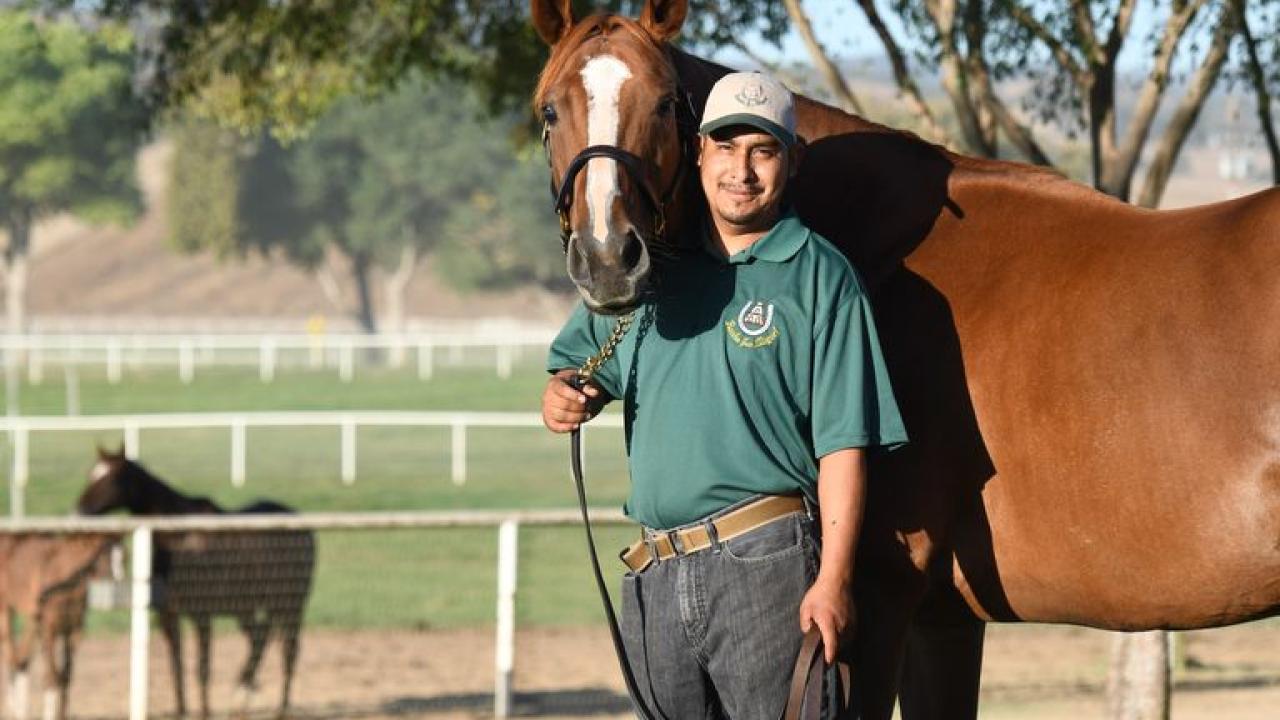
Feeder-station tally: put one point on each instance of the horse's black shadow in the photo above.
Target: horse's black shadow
(877, 196)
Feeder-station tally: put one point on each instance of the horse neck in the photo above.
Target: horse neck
(154, 497)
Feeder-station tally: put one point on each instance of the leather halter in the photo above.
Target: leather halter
(686, 128)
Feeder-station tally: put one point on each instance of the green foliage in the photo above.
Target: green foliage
(69, 124)
(202, 198)
(283, 63)
(505, 233)
(423, 167)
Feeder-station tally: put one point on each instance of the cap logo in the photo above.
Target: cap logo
(752, 94)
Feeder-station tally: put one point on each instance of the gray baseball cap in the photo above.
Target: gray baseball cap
(754, 99)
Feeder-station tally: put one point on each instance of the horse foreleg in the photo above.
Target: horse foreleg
(290, 628)
(880, 635)
(942, 672)
(22, 652)
(6, 660)
(204, 637)
(52, 677)
(257, 629)
(169, 625)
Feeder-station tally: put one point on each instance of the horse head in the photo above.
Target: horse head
(619, 133)
(110, 486)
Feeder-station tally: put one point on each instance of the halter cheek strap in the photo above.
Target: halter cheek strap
(632, 164)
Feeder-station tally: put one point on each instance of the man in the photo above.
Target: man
(752, 383)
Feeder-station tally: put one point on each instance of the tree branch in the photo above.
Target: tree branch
(835, 81)
(1119, 173)
(1258, 79)
(1037, 29)
(1120, 28)
(1018, 134)
(1184, 117)
(954, 81)
(1083, 21)
(902, 75)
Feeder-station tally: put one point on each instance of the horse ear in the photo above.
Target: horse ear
(552, 19)
(663, 18)
(119, 455)
(102, 454)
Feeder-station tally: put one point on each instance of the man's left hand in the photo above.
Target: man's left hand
(827, 605)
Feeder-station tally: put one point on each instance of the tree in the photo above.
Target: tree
(1070, 51)
(374, 183)
(69, 131)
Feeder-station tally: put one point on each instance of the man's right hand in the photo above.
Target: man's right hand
(564, 408)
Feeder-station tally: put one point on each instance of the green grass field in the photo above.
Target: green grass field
(390, 578)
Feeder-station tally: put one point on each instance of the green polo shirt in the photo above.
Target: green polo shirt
(738, 373)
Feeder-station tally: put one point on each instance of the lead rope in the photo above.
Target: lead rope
(579, 381)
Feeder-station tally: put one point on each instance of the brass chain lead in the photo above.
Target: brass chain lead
(594, 362)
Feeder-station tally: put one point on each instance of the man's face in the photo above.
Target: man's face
(744, 172)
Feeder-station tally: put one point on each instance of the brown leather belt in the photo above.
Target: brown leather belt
(658, 545)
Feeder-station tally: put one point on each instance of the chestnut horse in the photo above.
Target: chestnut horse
(1092, 390)
(44, 582)
(262, 579)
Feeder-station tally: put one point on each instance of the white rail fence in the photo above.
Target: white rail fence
(141, 530)
(20, 429)
(186, 353)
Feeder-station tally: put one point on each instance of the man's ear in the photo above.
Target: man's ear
(663, 18)
(552, 19)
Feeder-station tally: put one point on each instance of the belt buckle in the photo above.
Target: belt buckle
(652, 546)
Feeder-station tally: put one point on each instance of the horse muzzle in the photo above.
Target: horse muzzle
(610, 275)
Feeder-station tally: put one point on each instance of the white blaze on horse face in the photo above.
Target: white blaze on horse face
(603, 77)
(99, 470)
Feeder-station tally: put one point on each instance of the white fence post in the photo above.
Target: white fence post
(18, 480)
(71, 377)
(238, 452)
(503, 353)
(459, 454)
(425, 364)
(266, 360)
(113, 361)
(504, 655)
(139, 622)
(186, 362)
(346, 361)
(132, 441)
(348, 451)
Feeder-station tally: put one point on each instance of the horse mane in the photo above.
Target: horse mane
(153, 488)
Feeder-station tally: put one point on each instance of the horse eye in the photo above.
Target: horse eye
(666, 105)
(549, 114)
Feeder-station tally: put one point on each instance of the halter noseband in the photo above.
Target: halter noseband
(630, 162)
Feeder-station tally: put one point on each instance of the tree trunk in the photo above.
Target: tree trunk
(1258, 78)
(395, 288)
(15, 260)
(902, 75)
(1138, 681)
(835, 81)
(1184, 117)
(361, 265)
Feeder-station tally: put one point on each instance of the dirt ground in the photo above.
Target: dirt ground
(1038, 672)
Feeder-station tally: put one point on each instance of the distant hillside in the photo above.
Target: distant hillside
(85, 271)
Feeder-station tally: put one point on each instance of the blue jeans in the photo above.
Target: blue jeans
(715, 634)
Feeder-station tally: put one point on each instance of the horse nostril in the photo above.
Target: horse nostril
(579, 268)
(632, 250)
